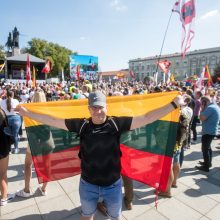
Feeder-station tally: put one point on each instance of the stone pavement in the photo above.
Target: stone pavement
(197, 195)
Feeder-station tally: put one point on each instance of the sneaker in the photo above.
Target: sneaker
(43, 193)
(8, 199)
(15, 151)
(128, 204)
(22, 193)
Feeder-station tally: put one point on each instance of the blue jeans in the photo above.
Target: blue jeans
(112, 197)
(14, 122)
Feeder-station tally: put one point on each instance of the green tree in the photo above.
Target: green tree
(2, 52)
(58, 55)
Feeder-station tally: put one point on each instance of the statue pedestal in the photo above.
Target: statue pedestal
(16, 51)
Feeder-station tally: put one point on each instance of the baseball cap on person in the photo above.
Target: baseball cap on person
(97, 98)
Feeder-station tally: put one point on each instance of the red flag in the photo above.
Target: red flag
(186, 10)
(47, 67)
(78, 72)
(132, 74)
(28, 69)
(208, 75)
(164, 65)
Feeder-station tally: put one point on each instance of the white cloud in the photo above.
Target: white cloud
(118, 6)
(210, 14)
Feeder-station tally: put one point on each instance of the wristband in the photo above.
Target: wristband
(174, 104)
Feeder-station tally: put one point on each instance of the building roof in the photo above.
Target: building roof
(23, 58)
(207, 50)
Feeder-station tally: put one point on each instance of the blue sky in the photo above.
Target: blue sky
(113, 30)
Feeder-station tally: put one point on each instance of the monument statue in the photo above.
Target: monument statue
(9, 42)
(15, 40)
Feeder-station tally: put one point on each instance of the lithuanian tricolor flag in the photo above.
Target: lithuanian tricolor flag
(146, 152)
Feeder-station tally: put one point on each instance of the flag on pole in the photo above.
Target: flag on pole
(34, 77)
(2, 66)
(132, 74)
(208, 75)
(147, 152)
(28, 69)
(172, 78)
(156, 78)
(168, 77)
(47, 67)
(78, 72)
(199, 82)
(164, 65)
(187, 13)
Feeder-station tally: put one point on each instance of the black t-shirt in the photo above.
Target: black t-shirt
(100, 148)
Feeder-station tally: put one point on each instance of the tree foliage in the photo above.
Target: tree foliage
(58, 55)
(2, 52)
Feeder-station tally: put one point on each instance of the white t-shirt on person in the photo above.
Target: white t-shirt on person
(14, 103)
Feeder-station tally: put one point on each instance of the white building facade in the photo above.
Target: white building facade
(192, 64)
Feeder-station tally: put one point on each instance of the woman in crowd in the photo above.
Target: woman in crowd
(14, 120)
(5, 148)
(48, 145)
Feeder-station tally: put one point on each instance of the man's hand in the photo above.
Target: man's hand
(179, 100)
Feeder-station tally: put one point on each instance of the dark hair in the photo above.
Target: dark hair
(10, 94)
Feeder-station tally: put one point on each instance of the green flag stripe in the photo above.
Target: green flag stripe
(157, 138)
(44, 139)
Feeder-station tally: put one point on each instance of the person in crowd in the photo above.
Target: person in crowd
(186, 113)
(5, 148)
(14, 120)
(210, 116)
(85, 92)
(39, 96)
(99, 141)
(196, 112)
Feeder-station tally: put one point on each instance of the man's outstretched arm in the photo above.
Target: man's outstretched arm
(45, 119)
(154, 115)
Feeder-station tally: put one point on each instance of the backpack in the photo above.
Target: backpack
(86, 123)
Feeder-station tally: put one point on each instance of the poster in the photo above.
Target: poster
(88, 66)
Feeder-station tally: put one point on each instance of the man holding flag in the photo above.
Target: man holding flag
(99, 149)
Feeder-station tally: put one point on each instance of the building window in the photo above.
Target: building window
(213, 60)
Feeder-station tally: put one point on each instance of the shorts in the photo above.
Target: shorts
(176, 157)
(5, 146)
(112, 197)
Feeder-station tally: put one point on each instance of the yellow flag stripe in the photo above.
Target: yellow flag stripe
(117, 106)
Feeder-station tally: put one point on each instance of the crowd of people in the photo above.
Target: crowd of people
(196, 106)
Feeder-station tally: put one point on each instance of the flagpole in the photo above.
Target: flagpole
(165, 34)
